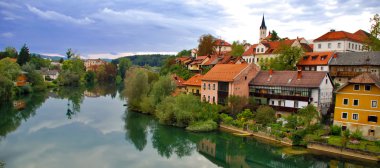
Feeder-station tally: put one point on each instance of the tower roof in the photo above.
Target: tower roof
(263, 24)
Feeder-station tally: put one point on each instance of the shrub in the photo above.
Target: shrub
(245, 115)
(202, 126)
(357, 135)
(265, 115)
(226, 119)
(335, 130)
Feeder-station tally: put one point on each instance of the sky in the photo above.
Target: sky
(115, 28)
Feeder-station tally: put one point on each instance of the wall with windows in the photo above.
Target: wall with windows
(338, 45)
(209, 91)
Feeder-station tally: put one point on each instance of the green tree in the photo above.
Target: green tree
(237, 49)
(90, 77)
(24, 55)
(11, 52)
(124, 65)
(72, 73)
(70, 53)
(288, 57)
(35, 78)
(8, 73)
(136, 87)
(374, 39)
(236, 104)
(308, 114)
(184, 53)
(265, 115)
(61, 60)
(274, 36)
(39, 62)
(206, 45)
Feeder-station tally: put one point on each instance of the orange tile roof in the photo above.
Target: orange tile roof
(178, 80)
(341, 35)
(220, 42)
(196, 80)
(198, 60)
(224, 72)
(365, 78)
(251, 50)
(315, 58)
(272, 46)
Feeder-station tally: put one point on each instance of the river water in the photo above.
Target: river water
(90, 127)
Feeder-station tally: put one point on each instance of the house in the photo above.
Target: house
(93, 64)
(222, 46)
(346, 65)
(198, 61)
(315, 61)
(48, 74)
(179, 83)
(185, 60)
(341, 41)
(287, 91)
(21, 79)
(356, 105)
(224, 80)
(193, 85)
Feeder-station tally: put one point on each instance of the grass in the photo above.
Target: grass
(363, 145)
(203, 126)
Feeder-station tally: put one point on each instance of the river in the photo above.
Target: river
(90, 127)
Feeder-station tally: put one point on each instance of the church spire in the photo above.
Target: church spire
(263, 24)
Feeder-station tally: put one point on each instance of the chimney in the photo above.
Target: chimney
(332, 30)
(335, 55)
(270, 72)
(299, 74)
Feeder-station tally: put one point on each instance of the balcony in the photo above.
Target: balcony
(344, 73)
(276, 96)
(284, 109)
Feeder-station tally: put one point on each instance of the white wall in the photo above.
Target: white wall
(249, 59)
(345, 45)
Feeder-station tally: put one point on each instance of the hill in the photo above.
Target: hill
(153, 60)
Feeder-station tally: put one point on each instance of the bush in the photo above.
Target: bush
(226, 119)
(265, 115)
(202, 126)
(346, 133)
(357, 135)
(335, 130)
(245, 115)
(297, 137)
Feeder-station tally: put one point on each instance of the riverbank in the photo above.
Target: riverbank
(312, 147)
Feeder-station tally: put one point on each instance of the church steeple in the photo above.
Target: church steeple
(263, 29)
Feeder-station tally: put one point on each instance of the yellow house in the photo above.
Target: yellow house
(193, 85)
(196, 64)
(356, 106)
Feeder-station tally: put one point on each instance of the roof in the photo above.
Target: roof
(358, 36)
(306, 47)
(196, 80)
(220, 42)
(198, 60)
(364, 78)
(50, 72)
(178, 80)
(356, 58)
(251, 50)
(263, 24)
(224, 72)
(309, 79)
(315, 58)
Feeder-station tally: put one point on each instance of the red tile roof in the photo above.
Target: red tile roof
(224, 72)
(359, 36)
(198, 60)
(220, 42)
(309, 79)
(251, 50)
(315, 58)
(178, 80)
(196, 80)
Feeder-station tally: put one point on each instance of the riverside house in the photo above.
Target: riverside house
(356, 106)
(287, 91)
(93, 64)
(224, 80)
(193, 85)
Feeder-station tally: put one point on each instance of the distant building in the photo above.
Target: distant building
(48, 74)
(93, 64)
(221, 46)
(345, 65)
(179, 83)
(198, 61)
(356, 106)
(193, 85)
(315, 61)
(21, 80)
(341, 41)
(224, 80)
(287, 91)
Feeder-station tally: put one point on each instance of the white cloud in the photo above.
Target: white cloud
(7, 34)
(9, 5)
(123, 54)
(9, 15)
(53, 54)
(52, 15)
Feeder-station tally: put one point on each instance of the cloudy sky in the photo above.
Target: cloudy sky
(112, 28)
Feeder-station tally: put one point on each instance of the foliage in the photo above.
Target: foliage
(265, 115)
(39, 62)
(245, 115)
(274, 36)
(90, 77)
(73, 72)
(8, 73)
(236, 104)
(184, 53)
(106, 73)
(206, 44)
(34, 77)
(308, 113)
(70, 53)
(124, 65)
(237, 49)
(357, 134)
(292, 122)
(136, 87)
(288, 57)
(202, 126)
(335, 130)
(226, 119)
(170, 67)
(24, 55)
(10, 52)
(154, 60)
(374, 40)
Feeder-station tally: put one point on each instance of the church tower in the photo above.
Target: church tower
(263, 29)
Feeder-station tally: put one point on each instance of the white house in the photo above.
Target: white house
(341, 41)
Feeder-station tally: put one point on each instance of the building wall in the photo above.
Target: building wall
(240, 85)
(345, 45)
(193, 67)
(193, 89)
(209, 92)
(249, 59)
(364, 109)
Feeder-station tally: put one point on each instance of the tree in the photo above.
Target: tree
(11, 52)
(70, 54)
(265, 115)
(308, 114)
(374, 39)
(124, 65)
(8, 73)
(61, 60)
(288, 58)
(39, 62)
(36, 79)
(236, 104)
(237, 49)
(184, 53)
(206, 44)
(72, 73)
(274, 36)
(136, 87)
(24, 55)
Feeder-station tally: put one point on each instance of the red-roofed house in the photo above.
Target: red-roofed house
(315, 61)
(224, 80)
(193, 85)
(341, 41)
(198, 61)
(222, 46)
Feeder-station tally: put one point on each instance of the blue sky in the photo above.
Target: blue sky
(113, 28)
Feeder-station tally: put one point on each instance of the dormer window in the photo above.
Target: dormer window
(305, 57)
(323, 57)
(258, 50)
(262, 49)
(314, 57)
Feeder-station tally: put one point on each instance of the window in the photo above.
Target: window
(328, 45)
(209, 87)
(272, 102)
(319, 46)
(295, 104)
(356, 87)
(349, 45)
(372, 118)
(338, 45)
(262, 49)
(355, 116)
(356, 102)
(367, 87)
(279, 103)
(374, 103)
(208, 98)
(257, 59)
(344, 115)
(213, 86)
(204, 86)
(258, 50)
(204, 98)
(306, 68)
(213, 99)
(344, 128)
(326, 81)
(322, 70)
(245, 77)
(345, 101)
(356, 46)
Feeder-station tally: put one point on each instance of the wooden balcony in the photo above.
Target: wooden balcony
(284, 109)
(344, 73)
(276, 96)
